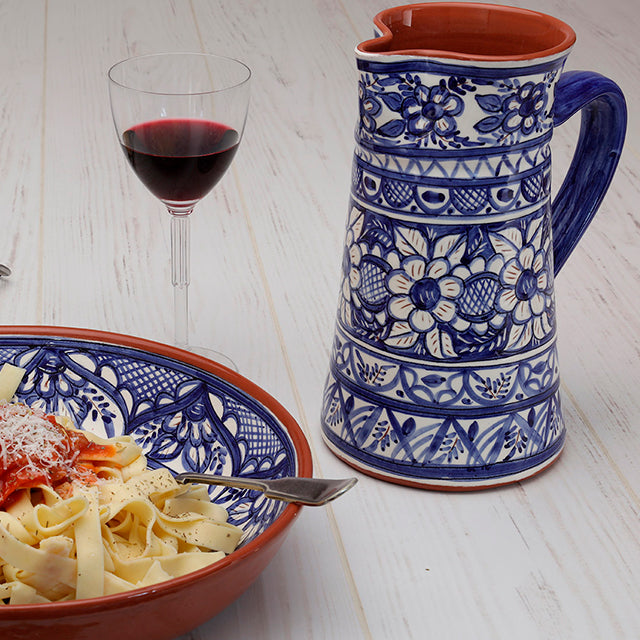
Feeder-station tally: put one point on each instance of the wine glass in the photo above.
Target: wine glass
(179, 119)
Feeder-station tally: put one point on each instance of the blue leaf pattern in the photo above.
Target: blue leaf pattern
(490, 103)
(392, 129)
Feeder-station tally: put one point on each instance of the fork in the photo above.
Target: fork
(307, 491)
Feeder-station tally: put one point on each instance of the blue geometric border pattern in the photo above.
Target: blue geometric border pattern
(427, 388)
(484, 162)
(396, 194)
(184, 418)
(445, 446)
(458, 68)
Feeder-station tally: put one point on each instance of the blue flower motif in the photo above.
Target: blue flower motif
(526, 283)
(424, 293)
(431, 111)
(370, 107)
(520, 110)
(524, 108)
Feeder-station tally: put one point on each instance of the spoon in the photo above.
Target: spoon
(309, 491)
(4, 270)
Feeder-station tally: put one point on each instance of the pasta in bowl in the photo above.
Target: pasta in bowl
(83, 517)
(135, 546)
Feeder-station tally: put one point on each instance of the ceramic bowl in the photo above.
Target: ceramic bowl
(188, 414)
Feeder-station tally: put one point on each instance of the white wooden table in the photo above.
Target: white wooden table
(554, 557)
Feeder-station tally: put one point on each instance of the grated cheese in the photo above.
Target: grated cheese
(31, 445)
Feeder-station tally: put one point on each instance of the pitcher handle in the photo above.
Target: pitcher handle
(602, 131)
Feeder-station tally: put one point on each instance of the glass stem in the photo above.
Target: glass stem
(180, 263)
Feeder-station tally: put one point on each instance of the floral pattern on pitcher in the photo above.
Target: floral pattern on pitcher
(401, 108)
(521, 110)
(463, 293)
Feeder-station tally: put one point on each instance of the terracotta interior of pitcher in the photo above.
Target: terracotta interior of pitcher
(468, 31)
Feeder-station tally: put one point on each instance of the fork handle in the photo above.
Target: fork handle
(225, 481)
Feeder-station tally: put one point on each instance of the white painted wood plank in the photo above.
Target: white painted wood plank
(21, 105)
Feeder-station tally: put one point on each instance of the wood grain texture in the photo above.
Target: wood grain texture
(21, 118)
(553, 557)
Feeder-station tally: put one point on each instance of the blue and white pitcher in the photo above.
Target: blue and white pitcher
(444, 369)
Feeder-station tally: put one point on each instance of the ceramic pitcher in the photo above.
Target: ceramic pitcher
(444, 370)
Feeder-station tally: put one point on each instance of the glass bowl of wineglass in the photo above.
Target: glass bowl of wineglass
(179, 118)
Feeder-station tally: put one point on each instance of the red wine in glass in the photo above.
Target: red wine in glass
(180, 159)
(179, 119)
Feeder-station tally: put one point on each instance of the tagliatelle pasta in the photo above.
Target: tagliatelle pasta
(82, 516)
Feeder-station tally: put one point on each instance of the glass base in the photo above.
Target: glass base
(216, 356)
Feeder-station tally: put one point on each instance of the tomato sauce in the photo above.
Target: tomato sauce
(36, 450)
